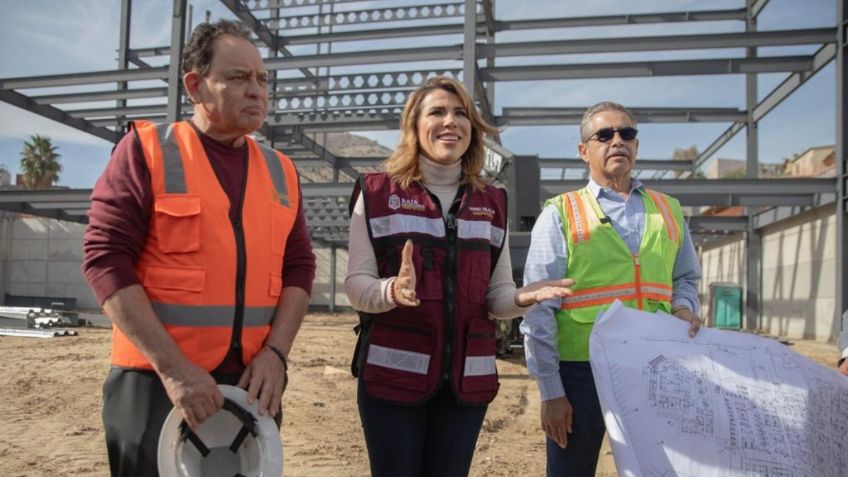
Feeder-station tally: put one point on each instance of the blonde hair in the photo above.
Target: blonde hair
(402, 166)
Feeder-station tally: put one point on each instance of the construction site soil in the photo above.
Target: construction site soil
(50, 400)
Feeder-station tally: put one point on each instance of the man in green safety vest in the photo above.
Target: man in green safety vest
(618, 241)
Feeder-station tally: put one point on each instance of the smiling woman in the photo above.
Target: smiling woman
(426, 271)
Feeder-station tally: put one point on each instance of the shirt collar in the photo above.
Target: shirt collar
(597, 190)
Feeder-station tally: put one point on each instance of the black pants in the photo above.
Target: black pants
(580, 456)
(436, 438)
(135, 406)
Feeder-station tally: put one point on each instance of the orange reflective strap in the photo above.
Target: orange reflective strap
(577, 218)
(599, 296)
(662, 204)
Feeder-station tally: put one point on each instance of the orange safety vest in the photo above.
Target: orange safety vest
(213, 283)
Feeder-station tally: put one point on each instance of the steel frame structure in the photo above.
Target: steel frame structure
(329, 91)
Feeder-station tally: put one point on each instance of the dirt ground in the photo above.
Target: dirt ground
(50, 399)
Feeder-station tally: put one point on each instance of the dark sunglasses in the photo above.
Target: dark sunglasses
(606, 134)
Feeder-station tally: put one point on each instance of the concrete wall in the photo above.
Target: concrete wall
(797, 274)
(321, 286)
(43, 258)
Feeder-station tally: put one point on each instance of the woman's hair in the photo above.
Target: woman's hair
(402, 166)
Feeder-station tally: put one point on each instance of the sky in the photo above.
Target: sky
(45, 37)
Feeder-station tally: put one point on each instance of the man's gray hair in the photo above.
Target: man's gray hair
(586, 122)
(197, 54)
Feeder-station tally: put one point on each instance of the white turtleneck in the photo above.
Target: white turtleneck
(369, 293)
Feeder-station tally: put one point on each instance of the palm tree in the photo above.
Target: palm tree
(40, 163)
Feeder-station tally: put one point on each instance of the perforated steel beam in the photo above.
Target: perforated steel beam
(638, 19)
(815, 36)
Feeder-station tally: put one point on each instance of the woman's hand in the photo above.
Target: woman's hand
(403, 288)
(544, 290)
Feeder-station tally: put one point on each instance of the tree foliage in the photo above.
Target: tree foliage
(685, 154)
(40, 163)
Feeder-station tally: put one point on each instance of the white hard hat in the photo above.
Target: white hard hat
(236, 441)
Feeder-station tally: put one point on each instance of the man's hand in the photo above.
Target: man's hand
(404, 284)
(543, 290)
(694, 321)
(556, 419)
(265, 378)
(193, 391)
(843, 367)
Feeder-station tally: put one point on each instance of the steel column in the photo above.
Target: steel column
(469, 48)
(175, 82)
(841, 282)
(753, 239)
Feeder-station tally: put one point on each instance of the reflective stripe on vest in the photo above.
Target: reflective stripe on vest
(404, 224)
(671, 226)
(607, 295)
(175, 182)
(480, 366)
(399, 359)
(205, 316)
(478, 229)
(175, 175)
(579, 223)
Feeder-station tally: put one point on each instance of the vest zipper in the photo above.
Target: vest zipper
(241, 266)
(450, 284)
(638, 281)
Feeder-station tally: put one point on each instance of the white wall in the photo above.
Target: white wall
(321, 286)
(43, 258)
(797, 274)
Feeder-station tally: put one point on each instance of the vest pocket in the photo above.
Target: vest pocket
(399, 355)
(282, 222)
(475, 270)
(175, 285)
(177, 223)
(480, 371)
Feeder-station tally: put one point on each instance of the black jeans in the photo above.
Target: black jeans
(436, 438)
(580, 456)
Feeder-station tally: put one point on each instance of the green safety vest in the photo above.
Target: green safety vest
(604, 269)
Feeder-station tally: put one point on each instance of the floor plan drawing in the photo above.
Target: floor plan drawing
(723, 404)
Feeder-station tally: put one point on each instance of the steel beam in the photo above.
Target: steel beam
(119, 94)
(713, 224)
(76, 79)
(774, 64)
(270, 39)
(405, 55)
(841, 278)
(469, 49)
(320, 151)
(821, 58)
(639, 19)
(815, 36)
(559, 116)
(21, 101)
(741, 192)
(648, 164)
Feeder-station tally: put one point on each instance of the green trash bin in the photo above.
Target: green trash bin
(726, 305)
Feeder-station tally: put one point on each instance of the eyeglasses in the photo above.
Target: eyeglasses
(606, 134)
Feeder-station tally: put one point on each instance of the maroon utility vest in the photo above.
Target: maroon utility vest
(404, 355)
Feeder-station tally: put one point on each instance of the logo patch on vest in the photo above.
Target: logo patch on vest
(482, 212)
(396, 203)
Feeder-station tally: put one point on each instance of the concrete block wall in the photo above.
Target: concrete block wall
(44, 259)
(797, 274)
(321, 286)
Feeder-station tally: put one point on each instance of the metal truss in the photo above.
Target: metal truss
(353, 88)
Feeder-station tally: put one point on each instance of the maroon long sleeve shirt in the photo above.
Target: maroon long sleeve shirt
(119, 217)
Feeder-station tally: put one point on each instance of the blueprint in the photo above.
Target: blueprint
(723, 404)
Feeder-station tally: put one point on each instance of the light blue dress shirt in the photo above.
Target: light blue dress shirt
(547, 259)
